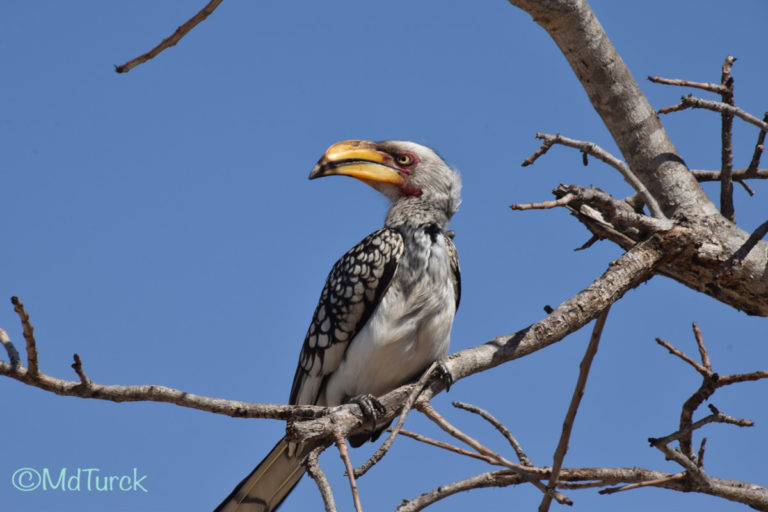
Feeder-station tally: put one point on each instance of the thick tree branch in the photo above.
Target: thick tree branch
(650, 154)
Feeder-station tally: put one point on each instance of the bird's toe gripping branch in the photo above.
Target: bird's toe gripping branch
(442, 373)
(371, 408)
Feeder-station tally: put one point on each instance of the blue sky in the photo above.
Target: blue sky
(161, 224)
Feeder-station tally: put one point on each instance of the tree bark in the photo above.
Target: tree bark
(638, 132)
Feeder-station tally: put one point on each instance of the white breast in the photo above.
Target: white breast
(410, 328)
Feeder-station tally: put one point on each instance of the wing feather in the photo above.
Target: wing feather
(350, 296)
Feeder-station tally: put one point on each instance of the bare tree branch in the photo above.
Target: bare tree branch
(521, 456)
(172, 39)
(341, 443)
(716, 88)
(690, 101)
(752, 168)
(570, 417)
(314, 470)
(382, 450)
(726, 182)
(436, 417)
(32, 367)
(596, 151)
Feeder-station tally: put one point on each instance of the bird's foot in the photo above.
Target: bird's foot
(371, 407)
(444, 375)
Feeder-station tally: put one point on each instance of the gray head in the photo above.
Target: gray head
(414, 177)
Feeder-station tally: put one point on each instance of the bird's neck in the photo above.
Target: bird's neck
(414, 212)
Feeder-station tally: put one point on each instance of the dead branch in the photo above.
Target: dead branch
(726, 182)
(738, 174)
(382, 450)
(570, 416)
(544, 205)
(444, 424)
(316, 472)
(758, 152)
(33, 369)
(172, 39)
(716, 88)
(711, 381)
(690, 101)
(590, 148)
(449, 447)
(85, 388)
(341, 443)
(521, 456)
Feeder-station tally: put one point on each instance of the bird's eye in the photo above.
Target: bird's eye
(404, 159)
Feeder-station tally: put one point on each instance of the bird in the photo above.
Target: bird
(387, 308)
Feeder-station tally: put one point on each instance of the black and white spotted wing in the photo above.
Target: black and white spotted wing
(351, 293)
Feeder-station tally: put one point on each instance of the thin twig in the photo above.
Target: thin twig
(13, 354)
(548, 143)
(29, 335)
(444, 424)
(706, 372)
(341, 443)
(702, 448)
(702, 349)
(382, 450)
(570, 417)
(544, 205)
(449, 447)
(316, 472)
(590, 148)
(715, 417)
(726, 159)
(522, 457)
(690, 101)
(759, 148)
(738, 174)
(172, 39)
(78, 367)
(646, 483)
(716, 88)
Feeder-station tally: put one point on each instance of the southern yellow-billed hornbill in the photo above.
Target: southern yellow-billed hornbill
(386, 311)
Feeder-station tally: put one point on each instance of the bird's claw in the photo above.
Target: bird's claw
(444, 375)
(371, 408)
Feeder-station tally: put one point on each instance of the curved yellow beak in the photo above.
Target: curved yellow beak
(359, 159)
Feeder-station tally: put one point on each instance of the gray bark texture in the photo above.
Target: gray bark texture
(638, 132)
